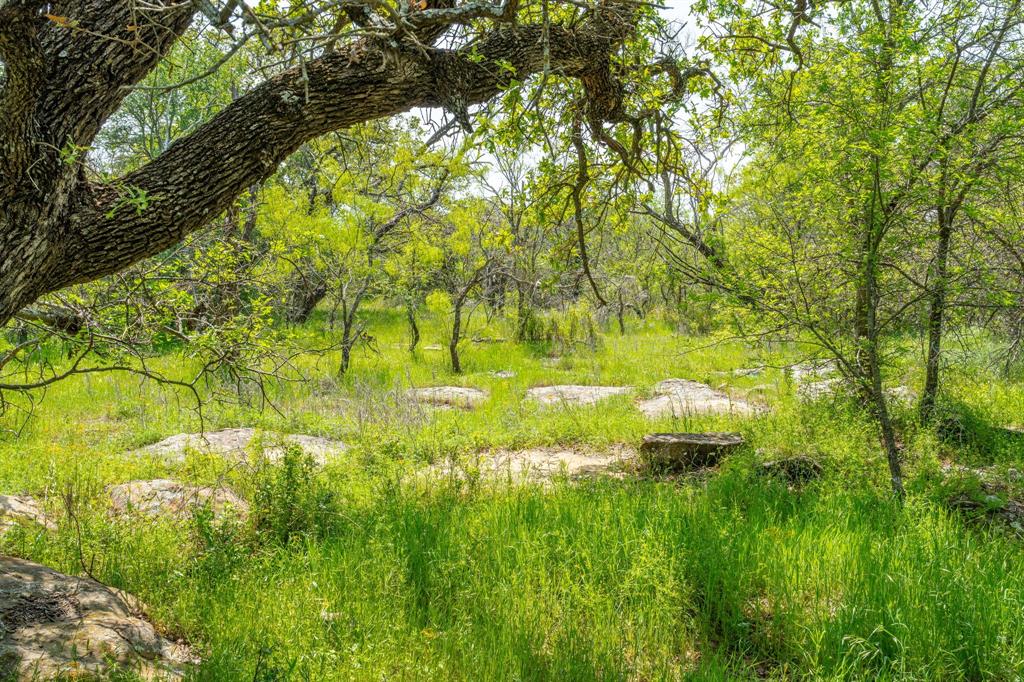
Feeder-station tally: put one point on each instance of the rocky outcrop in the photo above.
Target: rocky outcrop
(166, 497)
(56, 626)
(574, 395)
(540, 464)
(235, 444)
(448, 396)
(687, 451)
(680, 397)
(22, 510)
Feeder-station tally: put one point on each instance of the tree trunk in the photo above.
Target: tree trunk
(453, 343)
(524, 311)
(346, 354)
(936, 315)
(303, 298)
(620, 313)
(868, 361)
(414, 329)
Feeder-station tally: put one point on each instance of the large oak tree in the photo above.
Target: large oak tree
(70, 64)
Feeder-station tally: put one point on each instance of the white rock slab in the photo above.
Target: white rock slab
(18, 510)
(448, 396)
(167, 497)
(680, 397)
(575, 395)
(234, 444)
(541, 464)
(57, 626)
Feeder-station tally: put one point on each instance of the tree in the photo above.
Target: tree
(68, 68)
(473, 243)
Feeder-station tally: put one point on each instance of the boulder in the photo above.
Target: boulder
(679, 397)
(59, 626)
(449, 396)
(540, 464)
(18, 510)
(234, 444)
(574, 395)
(686, 451)
(166, 497)
(502, 374)
(799, 469)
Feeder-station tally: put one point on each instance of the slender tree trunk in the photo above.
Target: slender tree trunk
(414, 330)
(620, 313)
(936, 315)
(523, 312)
(346, 357)
(868, 361)
(347, 340)
(453, 343)
(349, 320)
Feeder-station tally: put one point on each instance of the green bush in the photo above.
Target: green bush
(291, 500)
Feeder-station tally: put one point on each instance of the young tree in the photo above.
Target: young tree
(472, 242)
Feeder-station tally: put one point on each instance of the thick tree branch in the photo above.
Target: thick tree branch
(115, 225)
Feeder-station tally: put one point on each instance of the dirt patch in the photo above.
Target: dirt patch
(575, 395)
(59, 626)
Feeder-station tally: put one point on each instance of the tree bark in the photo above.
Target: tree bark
(414, 329)
(303, 298)
(936, 314)
(65, 77)
(453, 343)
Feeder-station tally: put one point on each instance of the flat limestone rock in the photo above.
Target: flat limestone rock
(678, 397)
(16, 510)
(449, 396)
(166, 497)
(687, 451)
(234, 443)
(59, 626)
(541, 464)
(574, 395)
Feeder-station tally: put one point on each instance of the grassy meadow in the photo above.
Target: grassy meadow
(368, 570)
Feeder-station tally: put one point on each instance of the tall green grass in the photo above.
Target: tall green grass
(368, 571)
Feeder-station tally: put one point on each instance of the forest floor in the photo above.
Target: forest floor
(514, 540)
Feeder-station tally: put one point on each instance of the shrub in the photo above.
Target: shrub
(291, 500)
